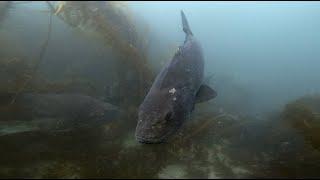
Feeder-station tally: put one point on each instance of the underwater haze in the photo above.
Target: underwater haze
(271, 48)
(74, 74)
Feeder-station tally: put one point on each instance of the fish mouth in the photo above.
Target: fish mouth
(149, 140)
(155, 140)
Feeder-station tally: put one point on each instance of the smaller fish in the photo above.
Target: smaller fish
(62, 112)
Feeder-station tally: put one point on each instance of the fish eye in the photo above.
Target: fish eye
(168, 116)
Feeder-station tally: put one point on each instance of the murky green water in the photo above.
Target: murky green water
(111, 57)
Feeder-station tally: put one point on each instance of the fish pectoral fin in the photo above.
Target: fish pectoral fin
(205, 93)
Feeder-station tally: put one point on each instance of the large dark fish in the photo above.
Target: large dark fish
(58, 112)
(174, 92)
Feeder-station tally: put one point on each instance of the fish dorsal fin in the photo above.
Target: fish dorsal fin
(185, 24)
